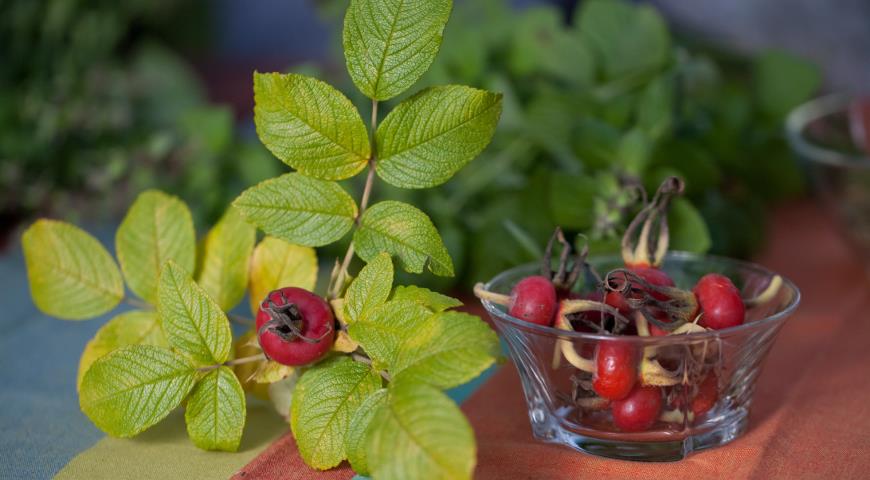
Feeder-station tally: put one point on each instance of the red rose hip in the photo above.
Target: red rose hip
(616, 369)
(639, 410)
(295, 326)
(719, 302)
(533, 299)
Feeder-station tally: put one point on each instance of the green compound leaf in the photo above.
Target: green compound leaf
(447, 350)
(138, 327)
(434, 301)
(386, 328)
(370, 289)
(215, 412)
(299, 209)
(71, 274)
(432, 135)
(134, 387)
(223, 268)
(158, 228)
(355, 440)
(325, 399)
(310, 125)
(192, 321)
(277, 264)
(389, 44)
(403, 231)
(688, 230)
(420, 433)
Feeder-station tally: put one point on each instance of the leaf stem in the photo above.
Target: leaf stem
(236, 361)
(361, 358)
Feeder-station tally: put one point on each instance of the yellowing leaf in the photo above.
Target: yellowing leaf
(355, 440)
(420, 433)
(71, 274)
(405, 232)
(389, 44)
(247, 346)
(215, 412)
(134, 387)
(276, 264)
(310, 125)
(343, 343)
(299, 209)
(370, 289)
(158, 228)
(325, 399)
(271, 372)
(137, 327)
(192, 321)
(223, 268)
(426, 139)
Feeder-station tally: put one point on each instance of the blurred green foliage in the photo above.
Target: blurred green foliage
(93, 109)
(596, 104)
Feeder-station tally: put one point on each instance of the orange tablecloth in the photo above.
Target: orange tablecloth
(811, 413)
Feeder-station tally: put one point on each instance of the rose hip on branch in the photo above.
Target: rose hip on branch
(295, 326)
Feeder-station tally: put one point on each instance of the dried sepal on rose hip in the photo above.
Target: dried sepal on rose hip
(294, 326)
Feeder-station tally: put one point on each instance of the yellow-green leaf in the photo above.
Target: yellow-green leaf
(299, 209)
(271, 372)
(403, 231)
(310, 125)
(432, 300)
(71, 274)
(420, 433)
(385, 328)
(389, 44)
(355, 440)
(370, 289)
(429, 137)
(192, 321)
(276, 264)
(137, 327)
(325, 399)
(215, 413)
(134, 387)
(223, 268)
(158, 228)
(447, 350)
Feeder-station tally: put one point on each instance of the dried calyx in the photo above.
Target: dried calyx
(285, 320)
(572, 263)
(666, 307)
(645, 242)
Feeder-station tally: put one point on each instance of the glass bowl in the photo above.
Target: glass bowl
(820, 134)
(558, 397)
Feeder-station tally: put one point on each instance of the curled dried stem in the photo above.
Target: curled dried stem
(767, 295)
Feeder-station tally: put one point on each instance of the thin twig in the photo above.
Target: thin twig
(358, 357)
(238, 361)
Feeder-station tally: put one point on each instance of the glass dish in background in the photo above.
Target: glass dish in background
(825, 137)
(555, 400)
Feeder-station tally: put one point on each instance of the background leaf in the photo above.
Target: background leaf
(447, 350)
(406, 232)
(355, 439)
(325, 399)
(784, 81)
(71, 274)
(158, 228)
(426, 139)
(191, 320)
(434, 301)
(277, 264)
(687, 228)
(134, 387)
(389, 44)
(370, 288)
(223, 269)
(137, 327)
(299, 209)
(215, 412)
(310, 125)
(421, 434)
(386, 327)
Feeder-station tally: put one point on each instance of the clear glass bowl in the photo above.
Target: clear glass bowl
(555, 394)
(819, 133)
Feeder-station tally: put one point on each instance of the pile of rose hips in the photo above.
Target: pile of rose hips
(639, 385)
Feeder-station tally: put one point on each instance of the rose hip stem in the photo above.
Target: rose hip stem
(565, 345)
(767, 295)
(482, 293)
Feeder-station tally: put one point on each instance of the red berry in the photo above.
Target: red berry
(639, 410)
(533, 299)
(616, 369)
(719, 302)
(708, 393)
(651, 275)
(295, 326)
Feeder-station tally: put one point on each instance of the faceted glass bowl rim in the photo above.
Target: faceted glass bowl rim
(802, 115)
(765, 322)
